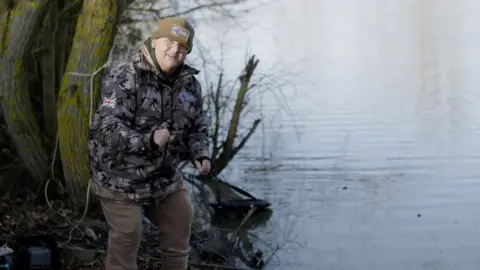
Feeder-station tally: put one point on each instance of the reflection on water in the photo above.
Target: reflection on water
(216, 228)
(385, 172)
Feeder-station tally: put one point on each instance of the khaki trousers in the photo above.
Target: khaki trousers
(173, 216)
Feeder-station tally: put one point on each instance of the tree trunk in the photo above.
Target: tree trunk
(48, 71)
(229, 150)
(95, 31)
(19, 26)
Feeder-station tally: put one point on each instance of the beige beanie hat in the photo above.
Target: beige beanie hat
(176, 28)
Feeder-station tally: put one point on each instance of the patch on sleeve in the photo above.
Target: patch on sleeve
(110, 101)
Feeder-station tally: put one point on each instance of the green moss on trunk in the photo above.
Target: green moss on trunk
(18, 28)
(95, 31)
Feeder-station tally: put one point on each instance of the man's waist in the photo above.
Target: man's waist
(127, 191)
(139, 172)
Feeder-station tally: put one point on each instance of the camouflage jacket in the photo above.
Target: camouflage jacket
(137, 100)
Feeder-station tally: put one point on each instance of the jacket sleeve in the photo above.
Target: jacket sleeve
(116, 114)
(198, 140)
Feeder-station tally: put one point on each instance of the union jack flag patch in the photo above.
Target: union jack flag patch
(110, 102)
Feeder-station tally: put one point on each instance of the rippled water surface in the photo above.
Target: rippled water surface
(379, 169)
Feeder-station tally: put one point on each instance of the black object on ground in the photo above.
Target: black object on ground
(35, 252)
(236, 205)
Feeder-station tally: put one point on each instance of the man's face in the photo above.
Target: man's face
(170, 54)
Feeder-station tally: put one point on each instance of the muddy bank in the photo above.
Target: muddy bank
(22, 214)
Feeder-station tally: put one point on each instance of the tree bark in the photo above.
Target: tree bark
(18, 28)
(95, 31)
(48, 71)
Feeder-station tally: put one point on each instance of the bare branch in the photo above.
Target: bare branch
(244, 86)
(245, 139)
(211, 6)
(217, 108)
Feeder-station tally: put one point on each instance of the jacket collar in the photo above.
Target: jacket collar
(146, 64)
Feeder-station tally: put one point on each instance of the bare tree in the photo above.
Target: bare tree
(231, 106)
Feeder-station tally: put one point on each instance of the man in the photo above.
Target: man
(150, 118)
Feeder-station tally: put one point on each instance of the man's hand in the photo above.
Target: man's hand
(203, 165)
(162, 136)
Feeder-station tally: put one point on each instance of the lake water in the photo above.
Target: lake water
(377, 164)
